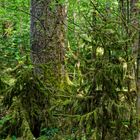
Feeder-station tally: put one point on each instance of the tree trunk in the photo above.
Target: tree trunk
(48, 37)
(47, 31)
(136, 52)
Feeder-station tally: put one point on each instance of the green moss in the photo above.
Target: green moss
(27, 101)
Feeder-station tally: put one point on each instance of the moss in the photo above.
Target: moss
(3, 86)
(25, 128)
(8, 138)
(27, 101)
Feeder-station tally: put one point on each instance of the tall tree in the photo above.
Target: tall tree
(47, 42)
(136, 51)
(48, 36)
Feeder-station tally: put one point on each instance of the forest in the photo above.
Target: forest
(69, 70)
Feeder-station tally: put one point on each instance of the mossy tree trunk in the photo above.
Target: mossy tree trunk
(48, 37)
(136, 50)
(47, 31)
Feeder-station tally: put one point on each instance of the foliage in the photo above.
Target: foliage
(14, 28)
(97, 98)
(26, 100)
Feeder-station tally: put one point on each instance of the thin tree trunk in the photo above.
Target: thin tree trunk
(136, 52)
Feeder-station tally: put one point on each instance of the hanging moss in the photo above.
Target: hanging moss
(27, 100)
(3, 86)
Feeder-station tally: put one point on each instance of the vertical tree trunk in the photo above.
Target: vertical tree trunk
(48, 37)
(47, 31)
(136, 51)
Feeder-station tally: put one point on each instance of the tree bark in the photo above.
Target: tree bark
(48, 37)
(136, 52)
(47, 31)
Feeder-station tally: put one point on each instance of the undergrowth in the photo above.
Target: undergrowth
(26, 102)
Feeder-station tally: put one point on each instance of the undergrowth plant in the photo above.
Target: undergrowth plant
(26, 101)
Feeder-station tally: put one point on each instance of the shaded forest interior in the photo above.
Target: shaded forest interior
(69, 69)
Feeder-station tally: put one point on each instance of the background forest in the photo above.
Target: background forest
(69, 69)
